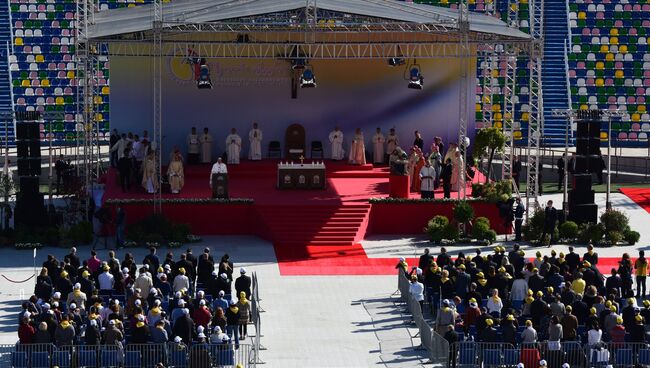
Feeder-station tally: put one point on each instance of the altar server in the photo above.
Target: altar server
(150, 174)
(206, 146)
(255, 139)
(218, 168)
(193, 147)
(428, 177)
(391, 141)
(378, 144)
(336, 139)
(358, 149)
(233, 146)
(175, 173)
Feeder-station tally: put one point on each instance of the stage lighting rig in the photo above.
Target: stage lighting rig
(203, 81)
(416, 80)
(307, 79)
(396, 61)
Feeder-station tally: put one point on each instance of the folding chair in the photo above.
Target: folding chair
(40, 359)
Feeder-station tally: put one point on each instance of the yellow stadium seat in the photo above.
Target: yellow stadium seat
(18, 41)
(523, 1)
(45, 83)
(613, 32)
(622, 49)
(600, 65)
(444, 2)
(498, 125)
(70, 74)
(604, 49)
(99, 100)
(619, 74)
(25, 83)
(517, 134)
(99, 117)
(486, 99)
(584, 107)
(496, 108)
(609, 57)
(471, 2)
(600, 82)
(582, 15)
(641, 108)
(636, 117)
(60, 101)
(613, 41)
(39, 58)
(603, 136)
(131, 6)
(524, 116)
(495, 73)
(106, 90)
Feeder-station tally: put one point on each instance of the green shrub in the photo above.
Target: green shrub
(157, 229)
(569, 230)
(179, 232)
(450, 232)
(614, 237)
(481, 230)
(535, 226)
(435, 228)
(614, 220)
(463, 212)
(590, 232)
(81, 232)
(631, 237)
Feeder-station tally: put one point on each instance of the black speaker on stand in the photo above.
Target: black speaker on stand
(582, 207)
(30, 205)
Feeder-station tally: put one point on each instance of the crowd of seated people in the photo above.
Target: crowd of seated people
(505, 298)
(111, 302)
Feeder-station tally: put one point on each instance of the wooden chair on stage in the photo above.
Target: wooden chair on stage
(275, 150)
(316, 148)
(294, 139)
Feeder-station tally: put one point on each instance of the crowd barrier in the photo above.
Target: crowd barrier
(256, 319)
(437, 347)
(498, 354)
(170, 355)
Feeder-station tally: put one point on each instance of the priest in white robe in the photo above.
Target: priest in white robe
(233, 146)
(193, 147)
(206, 146)
(358, 149)
(255, 139)
(428, 177)
(336, 139)
(378, 147)
(218, 168)
(391, 141)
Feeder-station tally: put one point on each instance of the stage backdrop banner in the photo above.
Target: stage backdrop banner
(352, 94)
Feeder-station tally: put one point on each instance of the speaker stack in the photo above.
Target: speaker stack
(587, 160)
(30, 206)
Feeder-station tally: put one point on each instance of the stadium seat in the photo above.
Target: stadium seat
(40, 359)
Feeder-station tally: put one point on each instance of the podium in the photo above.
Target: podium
(220, 186)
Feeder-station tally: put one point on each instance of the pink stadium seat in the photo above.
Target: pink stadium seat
(632, 136)
(631, 99)
(586, 31)
(622, 135)
(611, 99)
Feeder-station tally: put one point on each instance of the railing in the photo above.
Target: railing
(568, 24)
(256, 319)
(436, 346)
(131, 356)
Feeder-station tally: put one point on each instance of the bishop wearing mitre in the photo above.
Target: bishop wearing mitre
(336, 139)
(233, 146)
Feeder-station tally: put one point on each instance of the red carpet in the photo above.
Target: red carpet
(640, 196)
(313, 232)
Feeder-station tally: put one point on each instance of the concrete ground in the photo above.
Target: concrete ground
(310, 321)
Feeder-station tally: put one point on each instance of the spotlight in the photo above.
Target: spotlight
(203, 80)
(396, 61)
(307, 79)
(416, 81)
(298, 64)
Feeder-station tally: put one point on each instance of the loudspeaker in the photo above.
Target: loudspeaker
(29, 184)
(35, 148)
(594, 146)
(582, 213)
(27, 116)
(27, 130)
(581, 196)
(22, 149)
(582, 182)
(29, 166)
(23, 166)
(582, 164)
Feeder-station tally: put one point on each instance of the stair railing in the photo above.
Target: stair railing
(568, 81)
(568, 24)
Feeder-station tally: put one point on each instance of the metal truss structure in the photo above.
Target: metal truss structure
(310, 33)
(510, 60)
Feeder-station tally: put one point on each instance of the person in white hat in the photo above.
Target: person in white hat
(243, 283)
(77, 296)
(543, 364)
(220, 301)
(223, 283)
(178, 312)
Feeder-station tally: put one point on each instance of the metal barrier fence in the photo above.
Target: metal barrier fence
(256, 319)
(436, 346)
(171, 355)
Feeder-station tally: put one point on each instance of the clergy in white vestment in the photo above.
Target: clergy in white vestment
(456, 163)
(206, 146)
(218, 168)
(193, 147)
(358, 149)
(336, 139)
(378, 147)
(451, 152)
(233, 146)
(428, 176)
(391, 141)
(255, 139)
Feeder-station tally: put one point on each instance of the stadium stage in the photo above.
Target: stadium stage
(310, 229)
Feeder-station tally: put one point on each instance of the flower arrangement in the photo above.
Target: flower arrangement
(193, 238)
(174, 244)
(28, 245)
(152, 244)
(182, 201)
(130, 244)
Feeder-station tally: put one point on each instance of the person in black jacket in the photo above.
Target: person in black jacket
(489, 334)
(204, 269)
(443, 258)
(92, 334)
(550, 217)
(572, 259)
(232, 322)
(452, 337)
(509, 330)
(560, 171)
(425, 259)
(516, 170)
(445, 175)
(124, 167)
(519, 219)
(44, 287)
(184, 326)
(243, 283)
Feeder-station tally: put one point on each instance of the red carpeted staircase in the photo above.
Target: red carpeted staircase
(299, 226)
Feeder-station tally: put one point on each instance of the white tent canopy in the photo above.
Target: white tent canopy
(124, 21)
